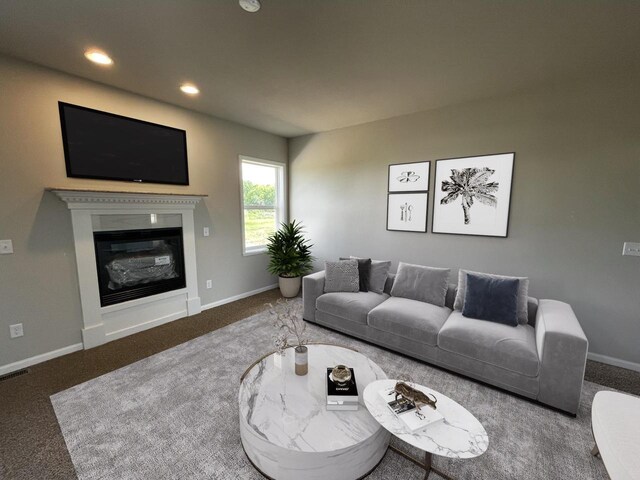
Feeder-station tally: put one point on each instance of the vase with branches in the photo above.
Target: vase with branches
(290, 331)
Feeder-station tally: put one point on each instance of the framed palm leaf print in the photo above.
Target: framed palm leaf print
(472, 195)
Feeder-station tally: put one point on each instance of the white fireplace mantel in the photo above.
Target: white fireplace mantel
(104, 324)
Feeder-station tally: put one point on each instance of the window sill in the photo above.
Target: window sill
(257, 251)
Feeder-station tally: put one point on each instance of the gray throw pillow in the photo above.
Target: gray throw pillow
(341, 276)
(378, 276)
(523, 293)
(425, 284)
(364, 272)
(492, 299)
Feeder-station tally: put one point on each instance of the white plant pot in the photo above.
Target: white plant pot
(289, 287)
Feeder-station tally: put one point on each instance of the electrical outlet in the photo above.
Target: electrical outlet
(205, 231)
(209, 284)
(631, 248)
(6, 247)
(16, 330)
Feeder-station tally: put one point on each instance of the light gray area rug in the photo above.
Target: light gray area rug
(175, 416)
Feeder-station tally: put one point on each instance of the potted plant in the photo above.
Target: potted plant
(290, 257)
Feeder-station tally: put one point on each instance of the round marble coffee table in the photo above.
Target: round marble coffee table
(286, 430)
(459, 435)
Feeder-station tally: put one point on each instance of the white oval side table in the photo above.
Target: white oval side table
(459, 435)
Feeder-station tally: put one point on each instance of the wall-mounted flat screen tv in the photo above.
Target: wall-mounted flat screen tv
(112, 147)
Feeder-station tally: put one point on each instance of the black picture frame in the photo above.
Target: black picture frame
(396, 196)
(409, 190)
(437, 194)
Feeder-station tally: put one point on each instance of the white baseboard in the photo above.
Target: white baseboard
(27, 362)
(43, 357)
(616, 362)
(239, 297)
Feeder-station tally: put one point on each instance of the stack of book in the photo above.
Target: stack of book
(413, 419)
(342, 396)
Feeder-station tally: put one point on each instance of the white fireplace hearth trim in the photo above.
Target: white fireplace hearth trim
(43, 357)
(103, 324)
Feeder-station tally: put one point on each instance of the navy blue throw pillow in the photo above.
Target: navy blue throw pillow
(492, 299)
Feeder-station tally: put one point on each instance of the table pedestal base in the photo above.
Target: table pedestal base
(427, 465)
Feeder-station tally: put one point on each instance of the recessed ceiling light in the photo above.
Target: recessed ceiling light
(189, 89)
(250, 5)
(98, 56)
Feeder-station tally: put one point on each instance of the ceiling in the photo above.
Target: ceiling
(302, 66)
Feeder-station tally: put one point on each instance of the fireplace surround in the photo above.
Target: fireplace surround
(121, 216)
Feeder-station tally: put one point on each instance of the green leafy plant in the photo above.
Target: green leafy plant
(289, 251)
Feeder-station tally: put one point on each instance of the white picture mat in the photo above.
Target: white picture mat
(485, 220)
(409, 170)
(409, 220)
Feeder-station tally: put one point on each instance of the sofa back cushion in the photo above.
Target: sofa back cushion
(341, 276)
(425, 284)
(523, 293)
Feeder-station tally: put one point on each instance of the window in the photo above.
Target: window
(263, 202)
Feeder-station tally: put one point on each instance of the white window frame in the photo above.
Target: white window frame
(281, 198)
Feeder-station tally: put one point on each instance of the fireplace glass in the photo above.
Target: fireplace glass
(138, 263)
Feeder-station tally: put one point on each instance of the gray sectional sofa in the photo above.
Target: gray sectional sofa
(543, 360)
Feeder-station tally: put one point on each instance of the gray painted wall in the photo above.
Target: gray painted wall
(575, 196)
(38, 283)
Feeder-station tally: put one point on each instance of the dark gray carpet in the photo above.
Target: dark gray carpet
(174, 416)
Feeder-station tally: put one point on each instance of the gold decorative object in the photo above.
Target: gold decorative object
(341, 374)
(414, 396)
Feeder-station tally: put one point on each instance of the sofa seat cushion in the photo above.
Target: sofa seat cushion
(511, 348)
(419, 321)
(353, 306)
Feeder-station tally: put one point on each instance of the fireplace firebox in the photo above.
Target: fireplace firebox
(138, 263)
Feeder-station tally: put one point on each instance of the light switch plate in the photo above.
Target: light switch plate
(631, 248)
(6, 247)
(205, 231)
(209, 285)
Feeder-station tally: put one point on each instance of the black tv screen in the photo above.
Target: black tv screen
(112, 147)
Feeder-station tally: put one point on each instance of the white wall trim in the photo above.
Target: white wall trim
(616, 362)
(144, 326)
(98, 322)
(43, 357)
(238, 297)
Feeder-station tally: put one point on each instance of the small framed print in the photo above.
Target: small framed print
(472, 195)
(409, 177)
(407, 212)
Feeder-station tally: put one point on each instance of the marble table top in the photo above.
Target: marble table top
(289, 411)
(459, 435)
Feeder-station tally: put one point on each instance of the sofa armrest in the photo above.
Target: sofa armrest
(562, 350)
(312, 288)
